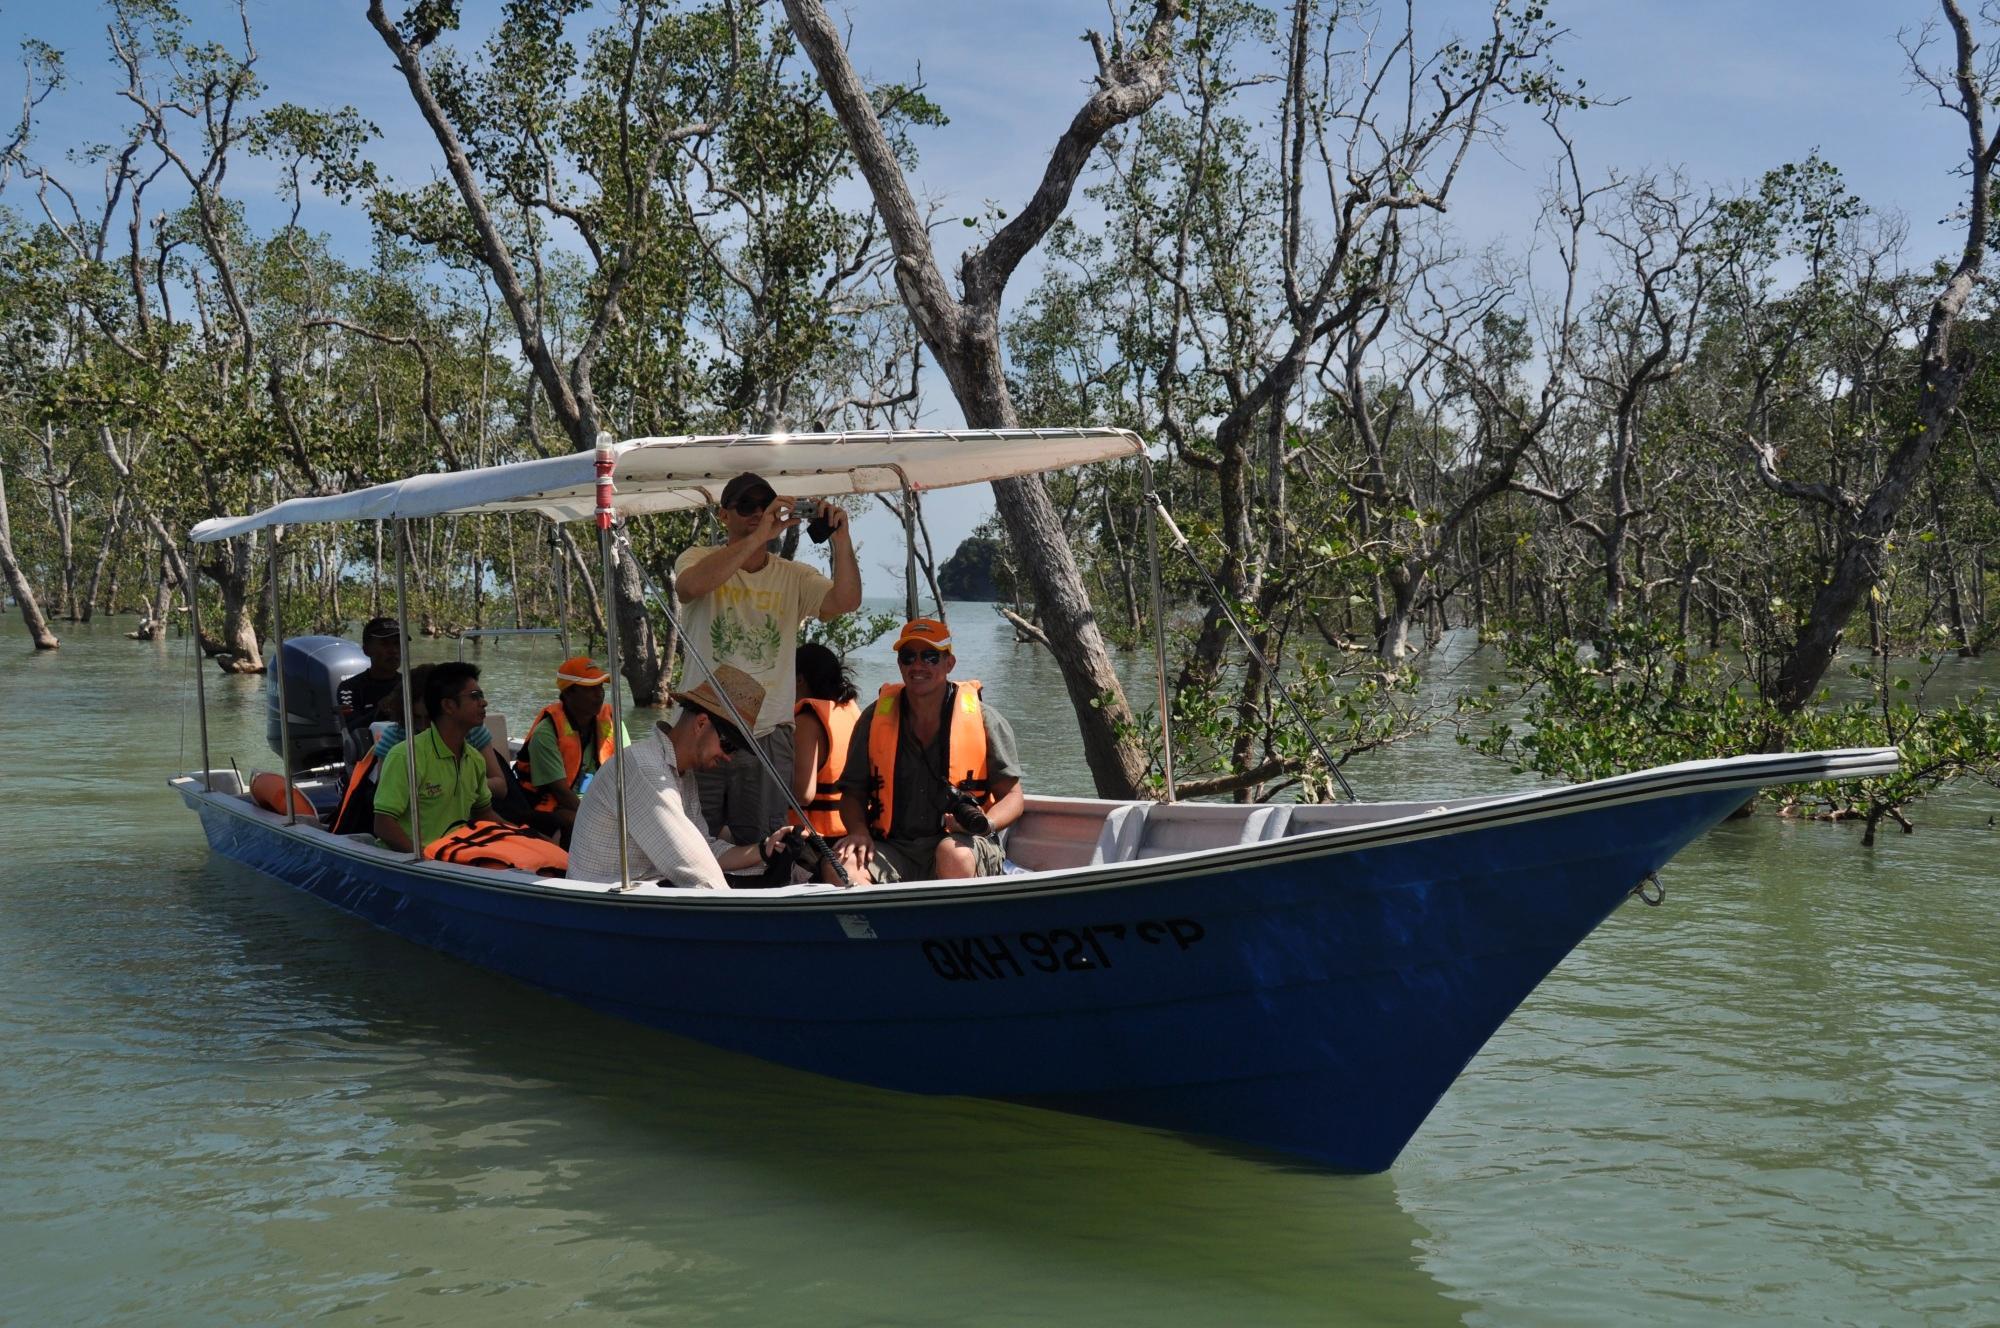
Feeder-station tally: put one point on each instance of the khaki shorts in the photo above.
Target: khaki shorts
(916, 859)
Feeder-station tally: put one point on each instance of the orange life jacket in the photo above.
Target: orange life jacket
(838, 719)
(570, 743)
(267, 790)
(964, 750)
(355, 783)
(490, 844)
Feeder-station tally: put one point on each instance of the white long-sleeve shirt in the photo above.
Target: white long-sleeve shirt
(666, 837)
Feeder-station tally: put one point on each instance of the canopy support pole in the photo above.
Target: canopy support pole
(193, 591)
(1159, 621)
(284, 702)
(409, 709)
(607, 458)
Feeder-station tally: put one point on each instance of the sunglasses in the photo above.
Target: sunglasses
(728, 744)
(751, 506)
(474, 695)
(910, 655)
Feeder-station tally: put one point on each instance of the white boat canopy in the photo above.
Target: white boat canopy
(673, 474)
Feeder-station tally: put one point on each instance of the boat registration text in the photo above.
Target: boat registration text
(1061, 950)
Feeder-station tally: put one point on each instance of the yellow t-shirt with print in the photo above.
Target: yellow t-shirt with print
(752, 621)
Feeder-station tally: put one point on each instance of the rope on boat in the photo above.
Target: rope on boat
(1659, 891)
(1277, 683)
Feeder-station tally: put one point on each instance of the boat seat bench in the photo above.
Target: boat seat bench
(1142, 830)
(1058, 834)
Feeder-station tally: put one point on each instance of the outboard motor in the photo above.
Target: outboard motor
(314, 667)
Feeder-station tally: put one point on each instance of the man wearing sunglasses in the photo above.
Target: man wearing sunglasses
(666, 837)
(744, 605)
(928, 756)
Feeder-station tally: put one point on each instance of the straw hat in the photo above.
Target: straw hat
(744, 692)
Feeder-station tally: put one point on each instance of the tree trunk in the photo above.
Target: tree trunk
(927, 559)
(61, 515)
(570, 397)
(235, 648)
(17, 581)
(1978, 599)
(113, 528)
(514, 581)
(964, 338)
(589, 582)
(1123, 560)
(153, 623)
(1863, 526)
(1945, 563)
(1392, 632)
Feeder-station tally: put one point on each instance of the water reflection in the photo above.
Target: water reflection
(547, 1139)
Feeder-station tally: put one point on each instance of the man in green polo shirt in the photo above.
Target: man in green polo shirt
(451, 772)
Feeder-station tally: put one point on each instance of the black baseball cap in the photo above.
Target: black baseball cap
(747, 487)
(380, 629)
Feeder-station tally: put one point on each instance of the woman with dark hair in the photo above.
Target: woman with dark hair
(825, 716)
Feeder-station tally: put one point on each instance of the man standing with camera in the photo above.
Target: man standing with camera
(744, 605)
(933, 773)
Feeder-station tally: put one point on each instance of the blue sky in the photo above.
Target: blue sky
(1721, 89)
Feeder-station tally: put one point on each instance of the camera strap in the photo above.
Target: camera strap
(944, 732)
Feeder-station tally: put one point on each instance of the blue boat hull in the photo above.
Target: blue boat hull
(1312, 996)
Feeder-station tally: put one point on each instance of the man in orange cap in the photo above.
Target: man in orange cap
(567, 742)
(744, 604)
(933, 774)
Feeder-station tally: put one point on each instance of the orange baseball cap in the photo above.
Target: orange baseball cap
(924, 631)
(580, 672)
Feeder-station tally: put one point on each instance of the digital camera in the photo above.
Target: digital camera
(813, 512)
(966, 808)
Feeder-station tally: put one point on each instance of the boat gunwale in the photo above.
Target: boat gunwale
(1716, 775)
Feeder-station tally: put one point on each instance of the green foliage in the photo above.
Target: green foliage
(1574, 713)
(1939, 745)
(1639, 699)
(1216, 741)
(850, 632)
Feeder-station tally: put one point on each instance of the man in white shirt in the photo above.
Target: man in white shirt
(666, 837)
(743, 607)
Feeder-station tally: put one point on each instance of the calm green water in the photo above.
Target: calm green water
(1772, 1100)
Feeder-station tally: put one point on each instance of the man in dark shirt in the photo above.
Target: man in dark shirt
(357, 696)
(897, 796)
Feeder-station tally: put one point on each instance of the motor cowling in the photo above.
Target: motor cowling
(314, 667)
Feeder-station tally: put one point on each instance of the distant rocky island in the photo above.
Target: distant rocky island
(973, 571)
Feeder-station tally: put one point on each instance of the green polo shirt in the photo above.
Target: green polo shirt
(449, 788)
